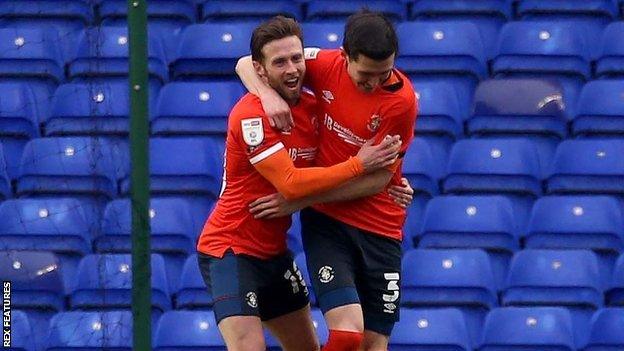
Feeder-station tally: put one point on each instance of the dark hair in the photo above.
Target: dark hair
(275, 28)
(370, 34)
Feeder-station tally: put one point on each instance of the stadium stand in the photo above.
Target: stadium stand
(91, 331)
(192, 293)
(421, 330)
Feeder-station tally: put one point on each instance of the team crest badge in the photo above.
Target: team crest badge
(326, 274)
(252, 299)
(253, 132)
(374, 122)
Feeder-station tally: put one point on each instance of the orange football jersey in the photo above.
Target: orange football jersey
(250, 139)
(348, 118)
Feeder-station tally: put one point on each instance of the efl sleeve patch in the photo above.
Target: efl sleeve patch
(253, 131)
(311, 53)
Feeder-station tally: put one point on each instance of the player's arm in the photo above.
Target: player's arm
(275, 107)
(294, 183)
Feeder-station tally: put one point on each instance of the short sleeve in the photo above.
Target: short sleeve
(257, 138)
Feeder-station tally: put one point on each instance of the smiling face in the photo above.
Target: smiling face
(367, 74)
(283, 67)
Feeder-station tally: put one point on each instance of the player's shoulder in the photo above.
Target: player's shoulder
(321, 55)
(248, 106)
(404, 93)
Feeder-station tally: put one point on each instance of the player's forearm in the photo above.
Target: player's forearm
(366, 185)
(247, 74)
(294, 183)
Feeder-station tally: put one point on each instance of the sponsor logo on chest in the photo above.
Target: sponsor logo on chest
(348, 135)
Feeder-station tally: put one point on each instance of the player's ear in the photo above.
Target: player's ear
(260, 70)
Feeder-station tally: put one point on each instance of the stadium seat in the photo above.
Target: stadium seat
(449, 278)
(228, 42)
(36, 280)
(591, 16)
(471, 222)
(65, 16)
(439, 110)
(22, 333)
(188, 330)
(71, 165)
(518, 106)
(102, 52)
(104, 282)
(57, 224)
(442, 51)
(424, 330)
(567, 278)
(599, 111)
(171, 227)
(253, 11)
(609, 64)
(194, 108)
(177, 168)
(193, 293)
(18, 111)
(578, 222)
(551, 277)
(544, 50)
(176, 12)
(615, 293)
(421, 168)
(528, 329)
(587, 167)
(325, 35)
(32, 56)
(606, 330)
(494, 166)
(330, 10)
(91, 331)
(90, 109)
(487, 15)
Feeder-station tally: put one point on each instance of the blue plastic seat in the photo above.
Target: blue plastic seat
(424, 330)
(452, 52)
(194, 108)
(198, 328)
(528, 329)
(439, 110)
(494, 166)
(518, 106)
(590, 16)
(180, 12)
(606, 330)
(599, 111)
(5, 182)
(576, 222)
(22, 333)
(102, 52)
(469, 222)
(89, 109)
(71, 165)
(550, 277)
(421, 168)
(450, 278)
(587, 167)
(325, 35)
(18, 111)
(487, 15)
(171, 227)
(609, 64)
(253, 11)
(32, 56)
(615, 293)
(211, 50)
(104, 282)
(329, 10)
(177, 168)
(192, 292)
(58, 225)
(86, 331)
(36, 280)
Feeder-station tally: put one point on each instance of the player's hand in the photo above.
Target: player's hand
(381, 155)
(402, 194)
(271, 206)
(277, 110)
